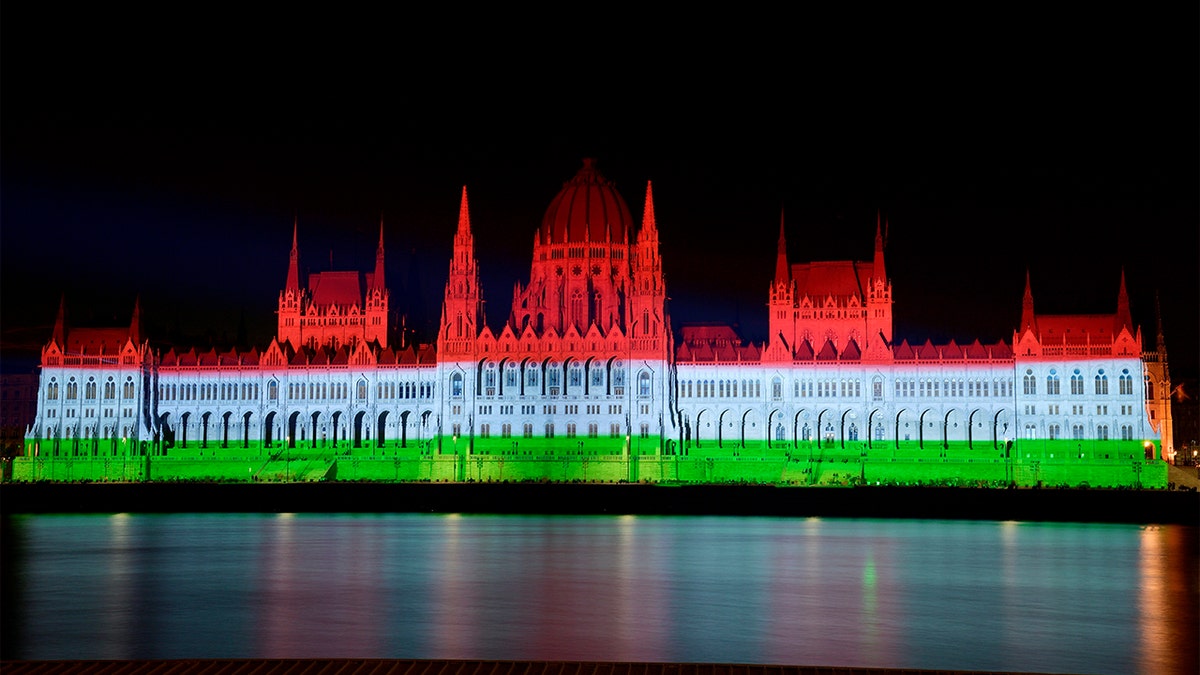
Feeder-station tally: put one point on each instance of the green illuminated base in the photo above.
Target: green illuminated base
(611, 460)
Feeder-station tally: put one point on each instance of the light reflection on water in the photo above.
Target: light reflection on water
(954, 595)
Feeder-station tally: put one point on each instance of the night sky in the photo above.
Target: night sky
(169, 163)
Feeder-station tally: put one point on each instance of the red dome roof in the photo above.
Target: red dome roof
(588, 208)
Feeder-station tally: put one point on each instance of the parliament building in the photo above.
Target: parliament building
(586, 381)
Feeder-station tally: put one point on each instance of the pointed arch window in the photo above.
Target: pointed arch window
(1030, 383)
(72, 390)
(110, 388)
(489, 379)
(1101, 383)
(89, 389)
(1126, 384)
(1076, 383)
(644, 385)
(362, 389)
(1052, 383)
(456, 385)
(127, 390)
(575, 375)
(776, 388)
(273, 390)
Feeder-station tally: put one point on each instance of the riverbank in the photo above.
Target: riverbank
(1058, 505)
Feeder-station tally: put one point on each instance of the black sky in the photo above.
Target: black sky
(169, 162)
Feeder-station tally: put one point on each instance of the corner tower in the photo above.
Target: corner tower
(462, 305)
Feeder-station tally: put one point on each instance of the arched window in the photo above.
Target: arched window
(273, 390)
(1030, 384)
(1149, 389)
(1053, 431)
(1052, 383)
(618, 378)
(575, 375)
(1101, 384)
(1126, 386)
(776, 388)
(1076, 383)
(52, 390)
(127, 388)
(89, 389)
(531, 375)
(456, 385)
(489, 379)
(362, 390)
(511, 375)
(72, 390)
(644, 384)
(110, 388)
(1102, 432)
(597, 375)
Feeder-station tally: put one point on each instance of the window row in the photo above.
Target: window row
(90, 389)
(720, 389)
(1099, 383)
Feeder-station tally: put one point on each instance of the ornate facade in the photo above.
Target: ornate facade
(586, 364)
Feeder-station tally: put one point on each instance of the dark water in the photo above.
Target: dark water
(968, 595)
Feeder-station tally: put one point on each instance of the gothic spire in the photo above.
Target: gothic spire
(378, 279)
(1160, 341)
(1123, 317)
(463, 235)
(880, 268)
(60, 323)
(782, 271)
(1027, 305)
(648, 224)
(293, 277)
(135, 324)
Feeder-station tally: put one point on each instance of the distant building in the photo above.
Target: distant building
(18, 410)
(586, 361)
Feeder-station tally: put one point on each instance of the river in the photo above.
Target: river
(914, 594)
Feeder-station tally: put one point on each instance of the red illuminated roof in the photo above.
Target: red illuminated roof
(335, 288)
(838, 278)
(588, 208)
(1075, 329)
(92, 341)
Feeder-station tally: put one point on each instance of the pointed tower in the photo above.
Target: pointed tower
(377, 299)
(879, 302)
(291, 298)
(1158, 377)
(782, 328)
(1028, 321)
(1027, 340)
(60, 324)
(1123, 319)
(135, 324)
(462, 307)
(648, 327)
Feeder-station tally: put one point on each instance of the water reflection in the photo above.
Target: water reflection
(869, 593)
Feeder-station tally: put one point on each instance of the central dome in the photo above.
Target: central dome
(587, 209)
